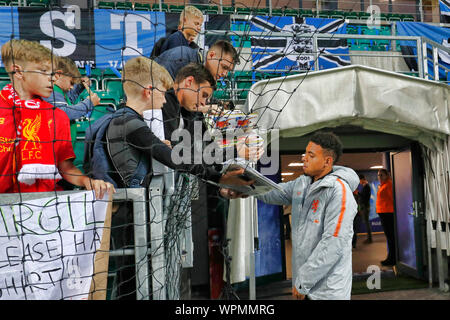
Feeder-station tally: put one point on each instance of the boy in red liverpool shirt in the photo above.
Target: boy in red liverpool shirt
(35, 144)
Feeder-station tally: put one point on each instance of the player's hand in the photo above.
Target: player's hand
(232, 178)
(167, 143)
(231, 194)
(253, 153)
(86, 81)
(94, 99)
(100, 187)
(297, 295)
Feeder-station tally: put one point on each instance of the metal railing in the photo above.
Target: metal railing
(419, 44)
(150, 211)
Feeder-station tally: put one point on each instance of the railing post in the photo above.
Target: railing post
(157, 238)
(141, 247)
(436, 63)
(425, 59)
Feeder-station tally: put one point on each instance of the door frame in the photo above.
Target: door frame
(418, 212)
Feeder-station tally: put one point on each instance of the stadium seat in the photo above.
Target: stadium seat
(277, 12)
(325, 14)
(212, 10)
(393, 17)
(228, 10)
(106, 5)
(124, 6)
(363, 15)
(142, 6)
(23, 3)
(102, 109)
(337, 15)
(243, 11)
(291, 12)
(4, 3)
(114, 87)
(175, 8)
(351, 15)
(39, 3)
(4, 83)
(305, 13)
(262, 11)
(408, 17)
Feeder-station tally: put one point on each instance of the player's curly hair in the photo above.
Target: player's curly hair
(329, 142)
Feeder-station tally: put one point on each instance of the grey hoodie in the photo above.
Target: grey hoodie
(322, 231)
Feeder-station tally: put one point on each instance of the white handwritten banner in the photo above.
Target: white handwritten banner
(47, 247)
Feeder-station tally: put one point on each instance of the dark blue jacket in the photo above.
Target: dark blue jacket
(176, 58)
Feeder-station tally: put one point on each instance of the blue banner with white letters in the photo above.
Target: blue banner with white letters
(121, 35)
(9, 24)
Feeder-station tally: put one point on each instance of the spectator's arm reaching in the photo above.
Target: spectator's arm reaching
(73, 175)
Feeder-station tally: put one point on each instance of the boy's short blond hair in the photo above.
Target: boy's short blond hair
(68, 68)
(20, 51)
(140, 72)
(188, 12)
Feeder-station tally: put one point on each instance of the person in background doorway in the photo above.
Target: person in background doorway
(364, 205)
(385, 209)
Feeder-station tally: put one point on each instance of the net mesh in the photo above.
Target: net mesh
(52, 243)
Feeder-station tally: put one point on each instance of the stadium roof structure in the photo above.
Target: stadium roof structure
(359, 96)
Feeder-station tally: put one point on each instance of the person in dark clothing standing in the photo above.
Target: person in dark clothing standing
(131, 145)
(364, 205)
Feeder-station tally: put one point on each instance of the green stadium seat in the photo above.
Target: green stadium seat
(228, 10)
(408, 17)
(383, 17)
(325, 14)
(4, 83)
(106, 5)
(175, 8)
(124, 6)
(243, 11)
(305, 13)
(363, 15)
(212, 10)
(4, 3)
(262, 11)
(39, 3)
(351, 15)
(142, 6)
(102, 109)
(277, 12)
(23, 3)
(291, 12)
(394, 17)
(114, 87)
(337, 15)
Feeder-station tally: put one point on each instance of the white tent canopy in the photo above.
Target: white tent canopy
(356, 95)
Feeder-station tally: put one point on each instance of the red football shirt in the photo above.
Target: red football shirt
(62, 147)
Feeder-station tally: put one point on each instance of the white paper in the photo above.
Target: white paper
(155, 121)
(47, 247)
